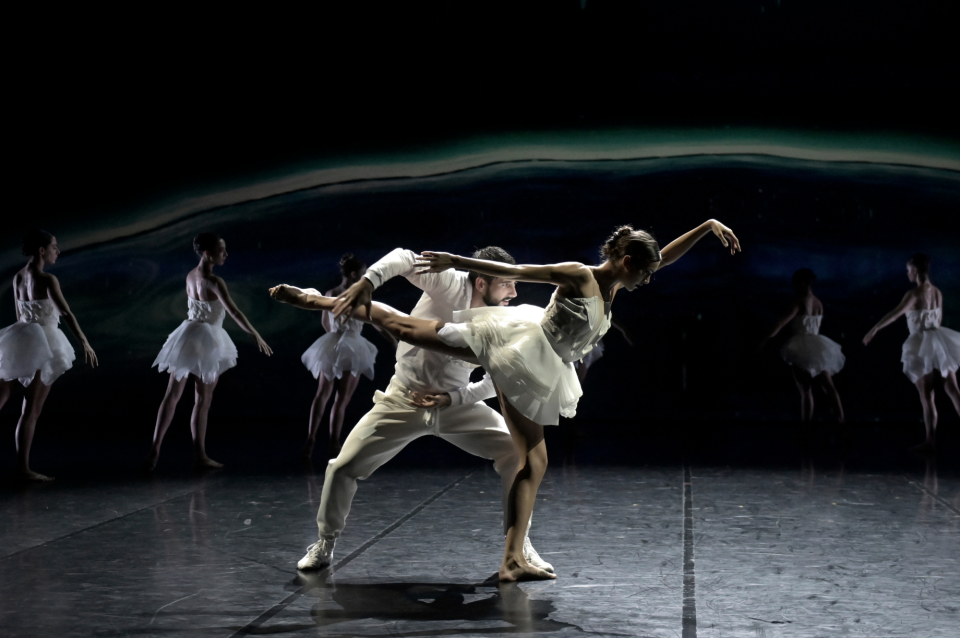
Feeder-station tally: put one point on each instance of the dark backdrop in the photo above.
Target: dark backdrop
(115, 113)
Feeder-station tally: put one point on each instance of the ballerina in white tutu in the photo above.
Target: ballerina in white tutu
(200, 348)
(813, 358)
(337, 359)
(528, 351)
(931, 351)
(34, 350)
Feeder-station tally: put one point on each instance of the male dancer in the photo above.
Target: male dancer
(430, 393)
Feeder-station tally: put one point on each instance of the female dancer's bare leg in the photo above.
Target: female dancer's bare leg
(33, 400)
(949, 386)
(805, 386)
(417, 332)
(925, 386)
(528, 437)
(198, 422)
(164, 417)
(317, 408)
(826, 384)
(346, 385)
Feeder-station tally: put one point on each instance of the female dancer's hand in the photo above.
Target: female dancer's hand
(284, 293)
(869, 336)
(359, 294)
(264, 348)
(726, 236)
(89, 355)
(434, 262)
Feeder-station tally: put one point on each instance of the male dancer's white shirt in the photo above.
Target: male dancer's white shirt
(422, 370)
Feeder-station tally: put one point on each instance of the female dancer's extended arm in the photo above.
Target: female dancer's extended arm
(572, 278)
(679, 246)
(224, 296)
(906, 304)
(68, 318)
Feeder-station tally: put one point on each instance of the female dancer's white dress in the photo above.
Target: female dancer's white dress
(809, 350)
(529, 351)
(200, 346)
(34, 343)
(929, 347)
(340, 352)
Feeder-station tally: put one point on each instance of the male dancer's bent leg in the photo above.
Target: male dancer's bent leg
(379, 436)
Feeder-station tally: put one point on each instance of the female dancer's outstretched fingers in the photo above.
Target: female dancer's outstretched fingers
(430, 261)
(264, 348)
(727, 237)
(90, 356)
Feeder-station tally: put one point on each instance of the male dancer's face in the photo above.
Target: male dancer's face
(498, 292)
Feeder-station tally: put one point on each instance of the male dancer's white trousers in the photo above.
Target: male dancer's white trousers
(390, 426)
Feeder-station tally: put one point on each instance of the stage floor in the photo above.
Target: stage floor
(639, 551)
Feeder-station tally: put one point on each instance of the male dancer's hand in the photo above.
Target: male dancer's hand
(428, 401)
(359, 294)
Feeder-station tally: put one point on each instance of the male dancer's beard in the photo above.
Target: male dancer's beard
(489, 300)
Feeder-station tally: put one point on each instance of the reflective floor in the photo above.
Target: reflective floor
(639, 551)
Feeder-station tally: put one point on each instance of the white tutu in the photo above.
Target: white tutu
(929, 347)
(338, 353)
(811, 351)
(512, 344)
(35, 343)
(200, 346)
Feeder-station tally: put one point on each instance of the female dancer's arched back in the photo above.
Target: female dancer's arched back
(34, 350)
(337, 359)
(931, 350)
(813, 358)
(528, 351)
(200, 348)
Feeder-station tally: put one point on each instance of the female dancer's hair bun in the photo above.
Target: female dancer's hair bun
(921, 261)
(803, 278)
(204, 242)
(639, 244)
(33, 241)
(351, 263)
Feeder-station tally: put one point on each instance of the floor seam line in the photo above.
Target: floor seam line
(101, 523)
(316, 580)
(937, 497)
(689, 600)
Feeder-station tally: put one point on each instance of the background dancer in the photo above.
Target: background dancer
(527, 350)
(337, 359)
(34, 350)
(930, 349)
(430, 393)
(813, 358)
(200, 347)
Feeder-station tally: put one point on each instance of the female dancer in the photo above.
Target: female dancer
(813, 358)
(34, 350)
(528, 351)
(337, 359)
(930, 348)
(200, 347)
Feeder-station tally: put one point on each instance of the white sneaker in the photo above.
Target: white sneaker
(534, 558)
(319, 555)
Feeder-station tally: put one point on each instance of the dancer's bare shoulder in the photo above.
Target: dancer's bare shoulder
(576, 280)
